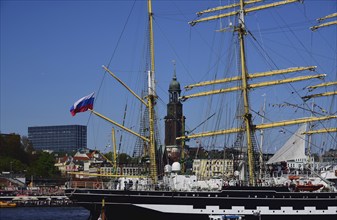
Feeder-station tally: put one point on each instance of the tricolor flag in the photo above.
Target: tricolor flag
(83, 104)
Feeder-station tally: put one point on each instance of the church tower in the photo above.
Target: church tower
(174, 120)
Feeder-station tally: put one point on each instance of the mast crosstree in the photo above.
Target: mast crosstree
(249, 128)
(151, 100)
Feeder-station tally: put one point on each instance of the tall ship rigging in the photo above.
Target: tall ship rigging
(173, 195)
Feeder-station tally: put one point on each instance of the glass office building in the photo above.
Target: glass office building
(62, 138)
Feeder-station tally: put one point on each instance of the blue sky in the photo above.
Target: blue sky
(52, 53)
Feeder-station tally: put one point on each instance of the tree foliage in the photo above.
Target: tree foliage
(43, 166)
(10, 146)
(9, 164)
(18, 156)
(122, 158)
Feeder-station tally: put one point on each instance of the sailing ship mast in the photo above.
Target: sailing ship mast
(244, 74)
(113, 139)
(249, 128)
(151, 98)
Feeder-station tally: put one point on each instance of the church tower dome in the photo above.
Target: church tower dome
(174, 85)
(174, 89)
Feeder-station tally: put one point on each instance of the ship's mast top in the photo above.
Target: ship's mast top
(244, 76)
(247, 116)
(151, 98)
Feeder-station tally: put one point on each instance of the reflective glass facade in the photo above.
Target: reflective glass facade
(62, 138)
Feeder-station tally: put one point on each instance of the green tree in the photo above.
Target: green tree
(8, 164)
(122, 158)
(12, 155)
(43, 166)
(109, 156)
(10, 146)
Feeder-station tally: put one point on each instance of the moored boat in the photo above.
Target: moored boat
(269, 202)
(176, 196)
(308, 187)
(6, 204)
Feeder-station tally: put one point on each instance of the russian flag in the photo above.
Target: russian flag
(83, 104)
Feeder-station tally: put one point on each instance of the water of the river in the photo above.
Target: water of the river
(44, 213)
